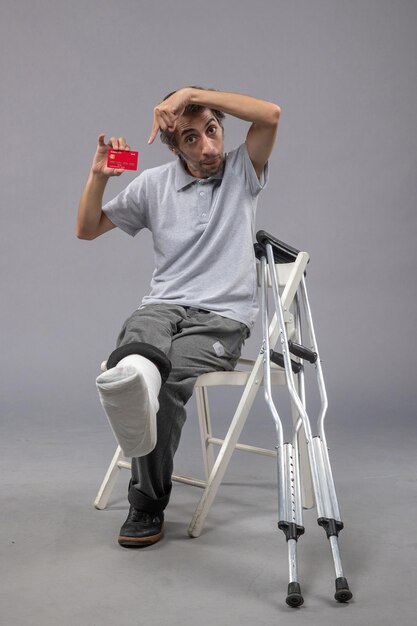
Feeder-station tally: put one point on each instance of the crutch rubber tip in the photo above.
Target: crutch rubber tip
(343, 593)
(294, 597)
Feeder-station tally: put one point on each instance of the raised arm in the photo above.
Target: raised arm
(91, 221)
(263, 115)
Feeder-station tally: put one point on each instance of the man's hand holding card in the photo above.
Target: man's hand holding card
(114, 157)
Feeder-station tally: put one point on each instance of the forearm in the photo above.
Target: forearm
(90, 207)
(244, 107)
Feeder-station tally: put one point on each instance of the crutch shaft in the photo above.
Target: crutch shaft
(294, 597)
(334, 544)
(292, 561)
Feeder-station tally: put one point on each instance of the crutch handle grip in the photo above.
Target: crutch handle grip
(303, 352)
(278, 359)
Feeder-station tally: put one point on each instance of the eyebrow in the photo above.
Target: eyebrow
(194, 130)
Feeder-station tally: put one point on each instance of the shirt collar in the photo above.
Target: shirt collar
(183, 179)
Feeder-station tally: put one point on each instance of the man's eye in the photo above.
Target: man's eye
(212, 130)
(190, 139)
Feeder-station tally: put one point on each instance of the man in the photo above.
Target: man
(200, 209)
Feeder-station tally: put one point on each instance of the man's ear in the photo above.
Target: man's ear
(174, 150)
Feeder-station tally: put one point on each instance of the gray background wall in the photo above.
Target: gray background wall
(343, 187)
(343, 182)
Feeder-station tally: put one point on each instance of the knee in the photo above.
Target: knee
(146, 350)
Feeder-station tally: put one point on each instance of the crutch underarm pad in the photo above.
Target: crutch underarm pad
(283, 252)
(155, 355)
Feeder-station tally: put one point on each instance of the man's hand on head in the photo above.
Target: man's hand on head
(166, 114)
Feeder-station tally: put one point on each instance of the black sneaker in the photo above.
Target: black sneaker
(141, 529)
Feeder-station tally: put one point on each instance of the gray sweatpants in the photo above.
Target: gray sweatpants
(196, 342)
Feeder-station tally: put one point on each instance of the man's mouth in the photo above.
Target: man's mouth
(211, 161)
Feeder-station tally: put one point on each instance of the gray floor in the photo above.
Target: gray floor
(61, 564)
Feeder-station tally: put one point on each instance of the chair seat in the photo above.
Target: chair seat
(237, 377)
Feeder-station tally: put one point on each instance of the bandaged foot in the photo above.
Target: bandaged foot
(129, 395)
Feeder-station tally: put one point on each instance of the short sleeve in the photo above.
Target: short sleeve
(128, 210)
(241, 163)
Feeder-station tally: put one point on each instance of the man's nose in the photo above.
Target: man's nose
(208, 146)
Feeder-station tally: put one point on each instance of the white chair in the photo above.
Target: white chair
(250, 379)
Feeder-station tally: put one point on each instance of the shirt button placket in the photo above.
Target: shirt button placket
(202, 204)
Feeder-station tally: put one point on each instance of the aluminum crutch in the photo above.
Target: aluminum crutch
(289, 489)
(289, 506)
(327, 505)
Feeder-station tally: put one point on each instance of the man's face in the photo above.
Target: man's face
(199, 138)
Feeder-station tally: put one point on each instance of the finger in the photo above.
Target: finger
(122, 143)
(114, 143)
(118, 172)
(163, 120)
(168, 118)
(127, 147)
(101, 139)
(154, 132)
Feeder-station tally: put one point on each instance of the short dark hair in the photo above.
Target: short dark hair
(169, 138)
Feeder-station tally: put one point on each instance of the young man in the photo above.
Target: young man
(202, 304)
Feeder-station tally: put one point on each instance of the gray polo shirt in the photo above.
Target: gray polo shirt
(203, 233)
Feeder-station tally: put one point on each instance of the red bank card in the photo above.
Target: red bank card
(122, 159)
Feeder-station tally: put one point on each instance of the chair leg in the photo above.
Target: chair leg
(226, 451)
(110, 479)
(205, 429)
